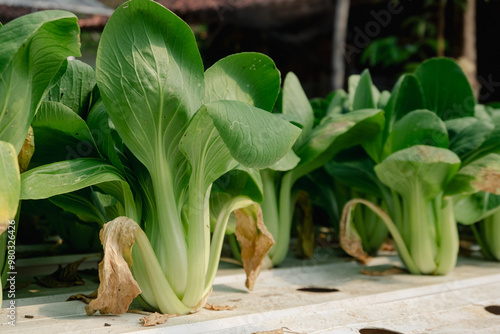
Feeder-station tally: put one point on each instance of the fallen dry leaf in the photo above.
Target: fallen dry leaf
(64, 276)
(139, 312)
(385, 272)
(255, 241)
(156, 319)
(84, 298)
(219, 307)
(281, 330)
(388, 246)
(305, 226)
(118, 288)
(274, 331)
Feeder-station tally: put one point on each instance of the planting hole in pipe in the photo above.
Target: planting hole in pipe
(494, 309)
(318, 289)
(377, 331)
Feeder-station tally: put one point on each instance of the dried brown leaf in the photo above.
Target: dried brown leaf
(117, 288)
(219, 307)
(388, 246)
(349, 238)
(64, 276)
(281, 330)
(255, 241)
(156, 319)
(84, 298)
(305, 226)
(274, 331)
(385, 272)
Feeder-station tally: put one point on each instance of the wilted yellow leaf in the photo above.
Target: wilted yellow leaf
(117, 288)
(255, 241)
(350, 240)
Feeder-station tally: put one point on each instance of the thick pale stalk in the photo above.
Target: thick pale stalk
(172, 253)
(492, 234)
(421, 239)
(145, 261)
(488, 236)
(269, 206)
(218, 237)
(447, 236)
(280, 249)
(198, 239)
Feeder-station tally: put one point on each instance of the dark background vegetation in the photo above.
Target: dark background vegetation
(299, 38)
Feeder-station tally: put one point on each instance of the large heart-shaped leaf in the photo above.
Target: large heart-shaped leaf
(446, 89)
(150, 75)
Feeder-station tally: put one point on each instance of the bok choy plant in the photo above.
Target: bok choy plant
(172, 130)
(414, 157)
(33, 57)
(350, 174)
(480, 209)
(315, 147)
